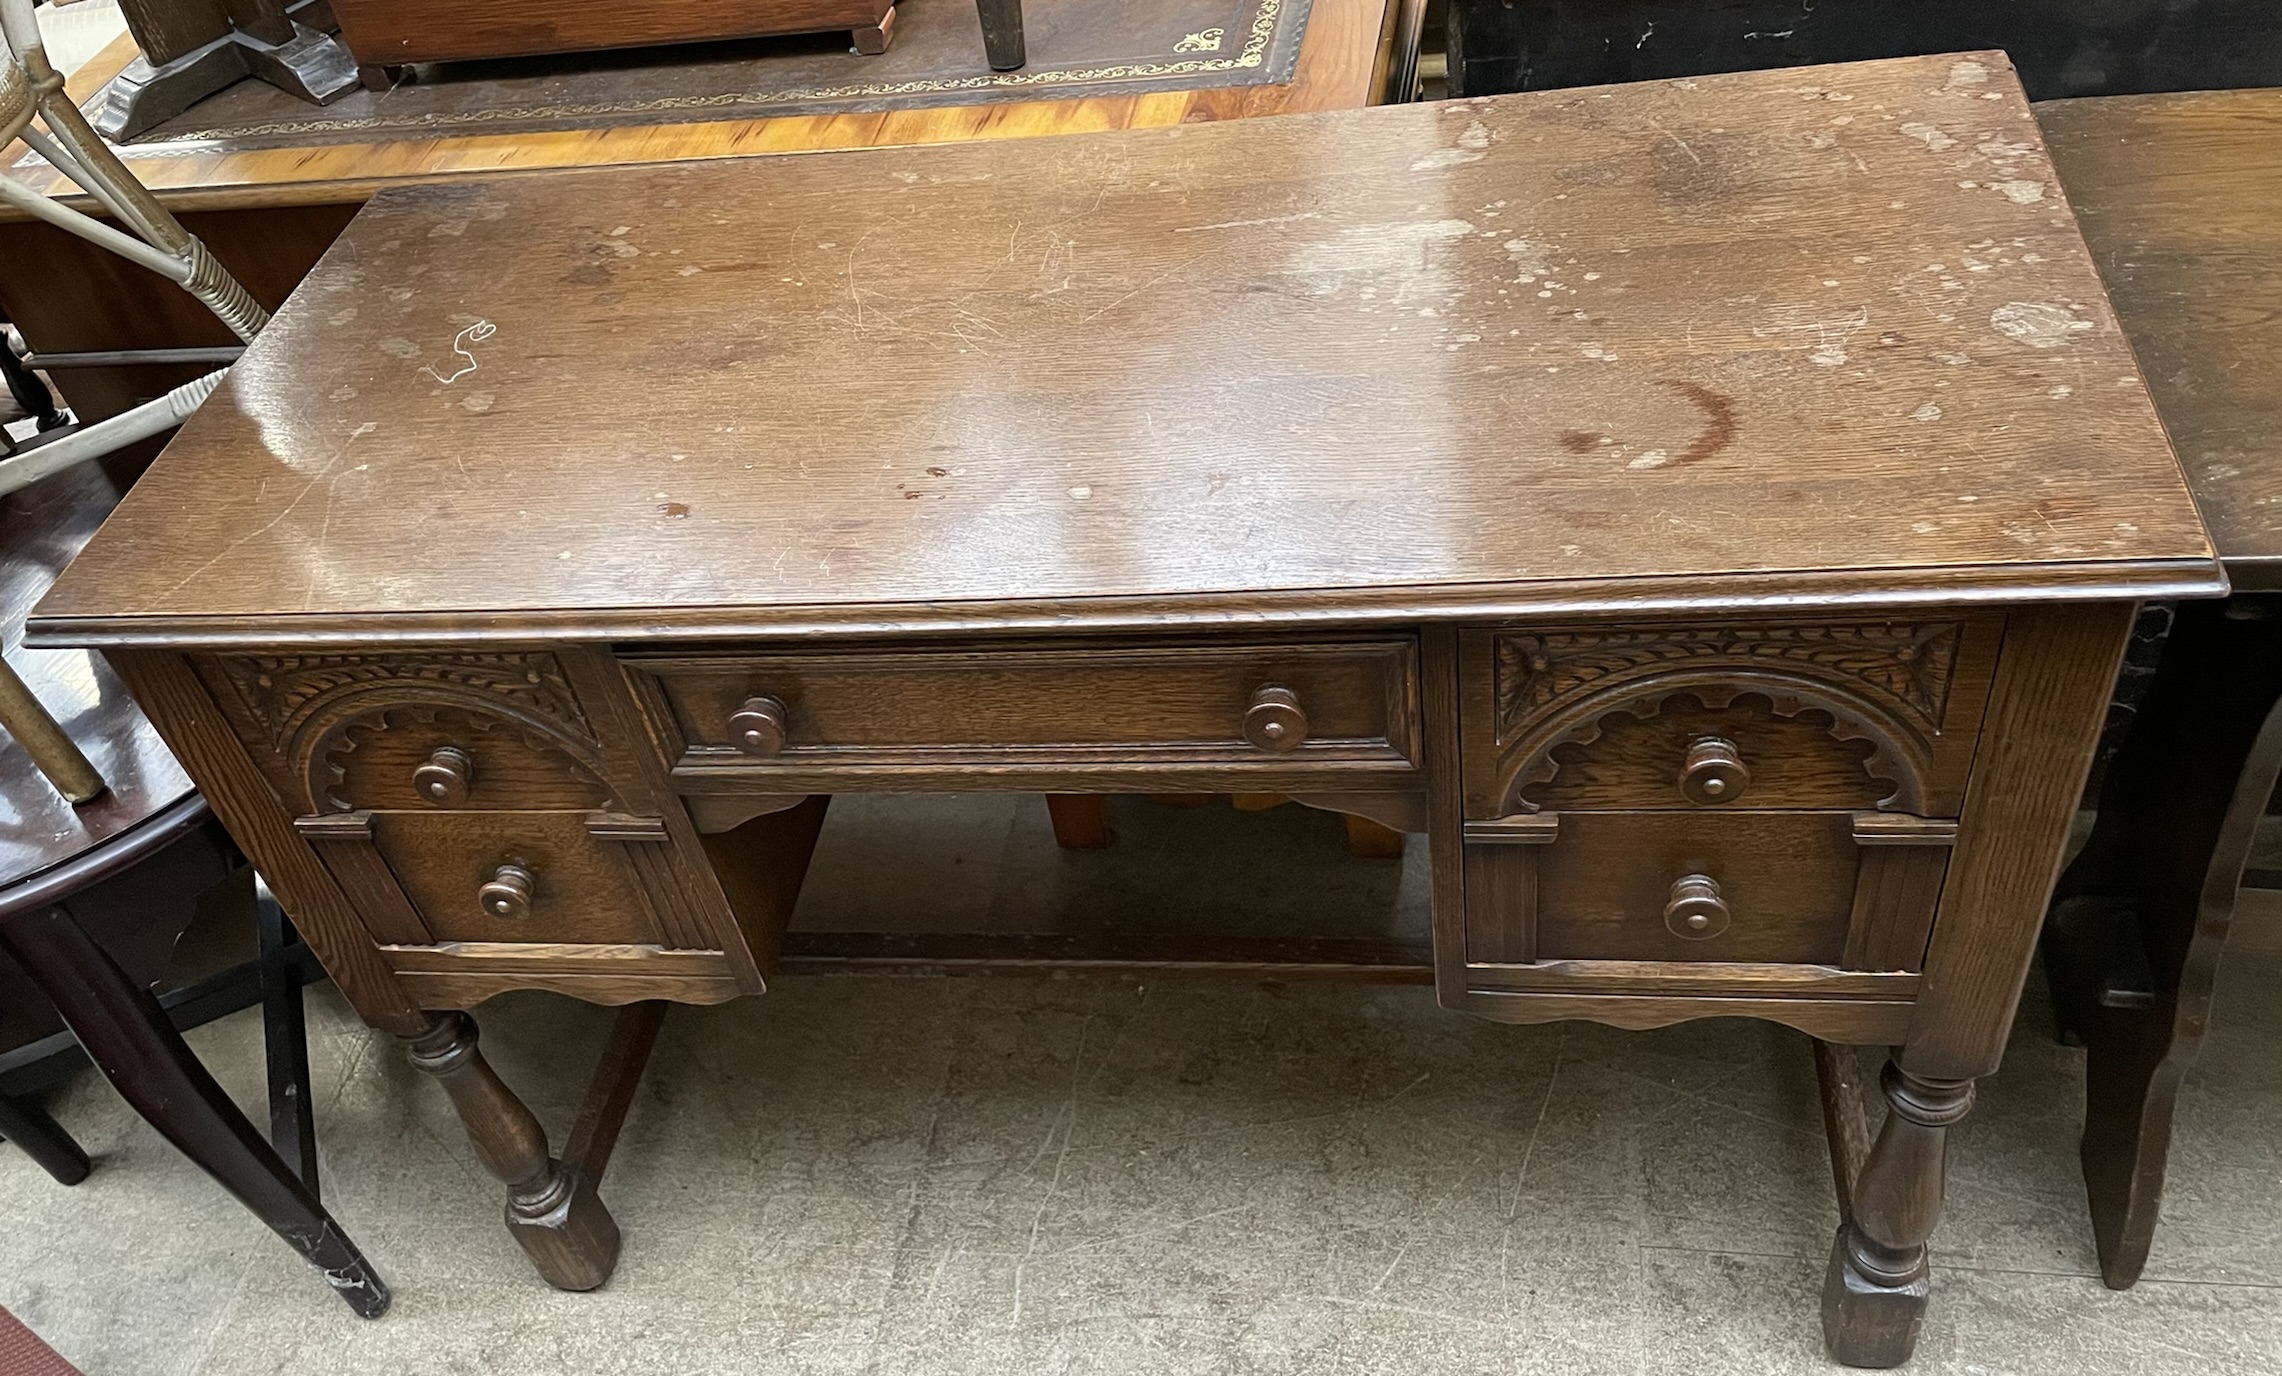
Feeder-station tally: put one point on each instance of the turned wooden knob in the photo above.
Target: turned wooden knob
(1275, 720)
(508, 894)
(1695, 911)
(757, 728)
(1714, 771)
(444, 779)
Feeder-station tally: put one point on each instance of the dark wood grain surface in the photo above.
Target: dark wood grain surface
(1774, 325)
(2180, 197)
(41, 528)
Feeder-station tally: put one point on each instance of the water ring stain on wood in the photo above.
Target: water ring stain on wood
(1719, 419)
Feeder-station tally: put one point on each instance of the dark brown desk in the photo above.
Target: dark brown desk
(1712, 511)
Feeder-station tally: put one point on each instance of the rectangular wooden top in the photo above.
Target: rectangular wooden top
(2181, 200)
(1802, 337)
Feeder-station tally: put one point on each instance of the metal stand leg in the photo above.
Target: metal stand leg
(285, 1035)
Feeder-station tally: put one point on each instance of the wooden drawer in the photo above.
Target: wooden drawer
(416, 760)
(434, 877)
(1769, 714)
(1320, 714)
(1820, 904)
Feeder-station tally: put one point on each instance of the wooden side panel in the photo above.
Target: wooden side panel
(399, 31)
(760, 866)
(1894, 900)
(2053, 680)
(178, 705)
(1501, 904)
(345, 840)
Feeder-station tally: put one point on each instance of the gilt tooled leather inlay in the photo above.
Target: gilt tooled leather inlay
(1906, 666)
(283, 693)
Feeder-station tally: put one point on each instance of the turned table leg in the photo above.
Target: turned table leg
(1874, 1295)
(131, 1039)
(554, 1208)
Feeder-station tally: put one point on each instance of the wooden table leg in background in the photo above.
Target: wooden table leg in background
(193, 48)
(130, 1038)
(2139, 920)
(1002, 33)
(554, 1207)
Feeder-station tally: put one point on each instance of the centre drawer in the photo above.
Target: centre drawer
(1342, 711)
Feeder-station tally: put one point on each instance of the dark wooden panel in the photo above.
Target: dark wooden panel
(345, 842)
(374, 762)
(1787, 877)
(399, 31)
(66, 295)
(1169, 704)
(585, 890)
(2062, 47)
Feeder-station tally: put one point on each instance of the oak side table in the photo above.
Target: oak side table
(1712, 510)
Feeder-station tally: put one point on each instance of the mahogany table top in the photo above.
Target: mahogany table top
(2181, 200)
(1821, 335)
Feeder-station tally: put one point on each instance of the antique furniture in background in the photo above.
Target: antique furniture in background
(193, 48)
(114, 851)
(386, 34)
(2063, 48)
(267, 213)
(2179, 198)
(1711, 511)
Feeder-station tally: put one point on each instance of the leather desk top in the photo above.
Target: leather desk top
(1806, 336)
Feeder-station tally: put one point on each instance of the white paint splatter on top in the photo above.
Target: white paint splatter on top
(2038, 324)
(2020, 192)
(1930, 136)
(1472, 144)
(1929, 411)
(1967, 73)
(1650, 458)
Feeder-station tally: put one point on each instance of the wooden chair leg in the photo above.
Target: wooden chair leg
(554, 1208)
(2132, 945)
(43, 1139)
(130, 1038)
(285, 1037)
(1002, 33)
(1081, 820)
(874, 39)
(1875, 1292)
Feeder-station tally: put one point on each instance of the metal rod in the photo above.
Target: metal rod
(36, 461)
(52, 751)
(122, 358)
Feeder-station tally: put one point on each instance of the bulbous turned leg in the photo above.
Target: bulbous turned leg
(554, 1212)
(1875, 1293)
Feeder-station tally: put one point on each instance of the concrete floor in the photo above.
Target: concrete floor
(906, 1176)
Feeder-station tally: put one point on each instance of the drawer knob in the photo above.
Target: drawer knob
(508, 894)
(1695, 911)
(444, 779)
(1275, 720)
(758, 726)
(1714, 771)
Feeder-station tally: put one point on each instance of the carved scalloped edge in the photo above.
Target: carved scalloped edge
(1926, 652)
(528, 686)
(328, 770)
(1892, 758)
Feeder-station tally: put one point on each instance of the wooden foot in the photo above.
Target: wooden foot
(873, 41)
(2132, 943)
(554, 1208)
(1002, 33)
(1080, 820)
(1371, 840)
(1875, 1292)
(131, 1039)
(377, 78)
